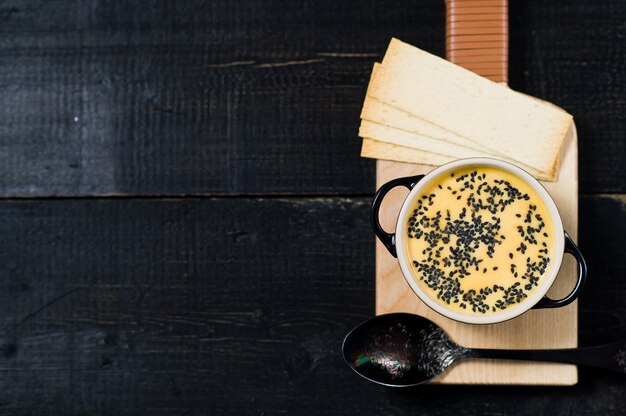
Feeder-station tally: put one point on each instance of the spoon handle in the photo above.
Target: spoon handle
(609, 356)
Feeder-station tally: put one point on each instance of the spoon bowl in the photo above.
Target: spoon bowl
(399, 350)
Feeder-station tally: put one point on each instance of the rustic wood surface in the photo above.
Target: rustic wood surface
(184, 215)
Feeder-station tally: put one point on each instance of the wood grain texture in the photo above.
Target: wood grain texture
(469, 24)
(194, 97)
(548, 328)
(236, 306)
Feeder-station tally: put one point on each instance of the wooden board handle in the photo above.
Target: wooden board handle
(477, 36)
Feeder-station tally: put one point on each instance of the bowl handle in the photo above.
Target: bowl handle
(570, 248)
(389, 240)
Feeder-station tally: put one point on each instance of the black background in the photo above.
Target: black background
(184, 214)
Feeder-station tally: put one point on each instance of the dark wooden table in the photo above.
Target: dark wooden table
(184, 214)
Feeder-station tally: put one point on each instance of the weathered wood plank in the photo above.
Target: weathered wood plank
(194, 97)
(218, 306)
(258, 97)
(235, 306)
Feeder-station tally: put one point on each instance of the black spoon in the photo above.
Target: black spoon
(403, 350)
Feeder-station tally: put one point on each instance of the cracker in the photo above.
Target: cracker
(416, 141)
(382, 113)
(381, 150)
(387, 151)
(471, 106)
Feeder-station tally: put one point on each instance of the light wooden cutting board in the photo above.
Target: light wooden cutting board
(536, 329)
